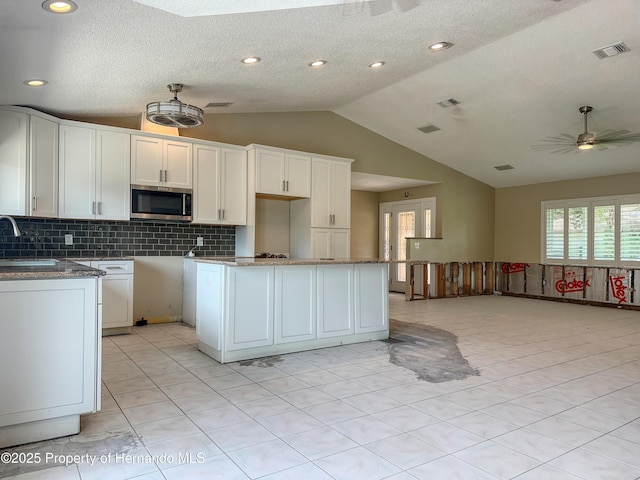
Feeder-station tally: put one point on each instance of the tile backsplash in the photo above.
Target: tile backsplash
(46, 238)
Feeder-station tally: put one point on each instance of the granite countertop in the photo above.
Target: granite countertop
(61, 268)
(250, 261)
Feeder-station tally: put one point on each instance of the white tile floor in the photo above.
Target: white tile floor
(558, 398)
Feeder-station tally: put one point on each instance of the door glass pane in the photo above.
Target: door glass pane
(555, 233)
(578, 233)
(406, 228)
(630, 232)
(427, 223)
(604, 232)
(386, 236)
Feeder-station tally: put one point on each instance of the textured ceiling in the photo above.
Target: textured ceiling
(520, 68)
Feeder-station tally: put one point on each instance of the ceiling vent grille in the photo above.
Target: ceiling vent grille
(448, 102)
(218, 104)
(504, 167)
(611, 50)
(428, 129)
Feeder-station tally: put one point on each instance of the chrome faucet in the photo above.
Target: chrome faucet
(16, 230)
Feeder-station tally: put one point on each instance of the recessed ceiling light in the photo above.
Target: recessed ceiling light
(250, 60)
(436, 47)
(318, 63)
(376, 64)
(53, 6)
(35, 82)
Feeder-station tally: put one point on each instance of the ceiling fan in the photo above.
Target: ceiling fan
(565, 143)
(377, 7)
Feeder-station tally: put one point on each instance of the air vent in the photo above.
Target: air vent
(218, 104)
(504, 167)
(611, 50)
(448, 102)
(428, 129)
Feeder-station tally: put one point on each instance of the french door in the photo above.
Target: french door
(399, 221)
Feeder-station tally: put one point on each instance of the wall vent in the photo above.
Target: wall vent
(504, 167)
(218, 104)
(611, 50)
(428, 129)
(448, 102)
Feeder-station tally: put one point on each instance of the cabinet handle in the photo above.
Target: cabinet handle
(99, 208)
(160, 176)
(223, 213)
(35, 203)
(93, 207)
(219, 217)
(283, 186)
(287, 185)
(165, 176)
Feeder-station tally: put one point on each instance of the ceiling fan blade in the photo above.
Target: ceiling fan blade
(351, 7)
(610, 133)
(569, 137)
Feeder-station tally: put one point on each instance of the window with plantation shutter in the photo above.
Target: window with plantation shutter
(604, 232)
(630, 232)
(593, 231)
(577, 230)
(555, 233)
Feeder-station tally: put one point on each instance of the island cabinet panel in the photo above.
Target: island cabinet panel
(335, 300)
(250, 307)
(210, 294)
(295, 303)
(371, 308)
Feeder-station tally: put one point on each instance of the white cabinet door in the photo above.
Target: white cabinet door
(206, 184)
(335, 300)
(331, 199)
(117, 292)
(13, 163)
(340, 199)
(177, 164)
(77, 172)
(113, 169)
(146, 160)
(94, 174)
(329, 243)
(371, 297)
(270, 172)
(44, 167)
(156, 161)
(295, 303)
(233, 187)
(297, 175)
(250, 307)
(282, 173)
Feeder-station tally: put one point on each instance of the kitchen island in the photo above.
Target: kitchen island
(249, 308)
(50, 325)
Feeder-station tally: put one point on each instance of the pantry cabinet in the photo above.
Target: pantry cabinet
(94, 174)
(220, 185)
(282, 173)
(161, 162)
(14, 131)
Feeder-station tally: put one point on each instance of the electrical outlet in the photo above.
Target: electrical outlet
(68, 239)
(200, 241)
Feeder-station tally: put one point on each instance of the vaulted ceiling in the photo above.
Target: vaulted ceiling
(519, 68)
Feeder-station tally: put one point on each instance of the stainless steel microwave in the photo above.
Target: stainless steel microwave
(161, 203)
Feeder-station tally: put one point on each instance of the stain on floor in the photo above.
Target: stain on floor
(430, 352)
(262, 362)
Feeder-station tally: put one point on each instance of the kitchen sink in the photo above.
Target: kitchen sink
(48, 262)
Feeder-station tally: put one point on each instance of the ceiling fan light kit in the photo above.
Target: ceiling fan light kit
(174, 113)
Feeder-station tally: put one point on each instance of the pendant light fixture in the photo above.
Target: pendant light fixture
(174, 113)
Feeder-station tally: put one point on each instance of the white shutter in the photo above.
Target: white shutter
(630, 232)
(554, 233)
(577, 233)
(604, 233)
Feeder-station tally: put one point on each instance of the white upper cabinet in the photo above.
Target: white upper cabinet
(14, 128)
(43, 160)
(331, 194)
(94, 174)
(329, 243)
(161, 162)
(220, 185)
(283, 173)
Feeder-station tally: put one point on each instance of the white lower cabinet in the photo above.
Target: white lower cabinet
(117, 295)
(254, 311)
(51, 356)
(371, 308)
(295, 303)
(335, 300)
